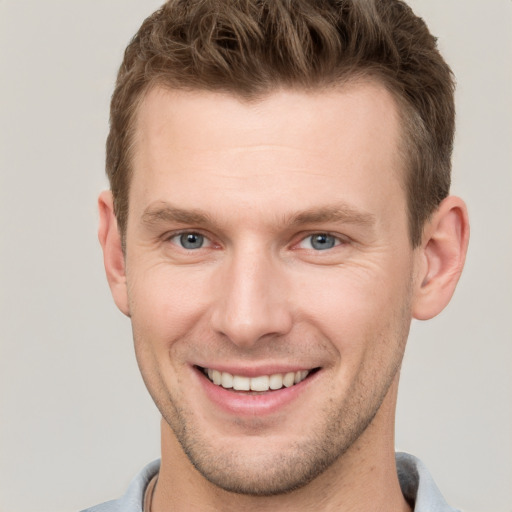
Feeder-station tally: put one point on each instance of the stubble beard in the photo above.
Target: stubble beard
(340, 423)
(282, 471)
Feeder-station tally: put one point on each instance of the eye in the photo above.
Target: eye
(319, 242)
(190, 240)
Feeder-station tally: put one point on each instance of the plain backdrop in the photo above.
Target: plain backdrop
(76, 423)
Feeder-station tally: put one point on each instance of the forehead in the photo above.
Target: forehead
(332, 144)
(351, 103)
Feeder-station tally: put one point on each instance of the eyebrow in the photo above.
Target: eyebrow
(165, 212)
(338, 213)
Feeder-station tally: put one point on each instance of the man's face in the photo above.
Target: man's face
(267, 245)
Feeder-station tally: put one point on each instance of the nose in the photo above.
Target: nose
(252, 302)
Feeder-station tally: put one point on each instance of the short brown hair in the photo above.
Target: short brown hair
(251, 47)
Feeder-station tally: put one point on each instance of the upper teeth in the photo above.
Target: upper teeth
(260, 383)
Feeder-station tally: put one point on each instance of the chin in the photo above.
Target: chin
(258, 465)
(263, 475)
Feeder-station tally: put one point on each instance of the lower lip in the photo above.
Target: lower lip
(248, 404)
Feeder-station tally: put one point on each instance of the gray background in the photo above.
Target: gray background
(75, 421)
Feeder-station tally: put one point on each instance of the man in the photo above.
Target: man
(279, 212)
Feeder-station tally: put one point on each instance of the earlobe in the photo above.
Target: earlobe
(441, 258)
(113, 257)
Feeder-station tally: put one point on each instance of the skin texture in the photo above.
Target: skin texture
(256, 181)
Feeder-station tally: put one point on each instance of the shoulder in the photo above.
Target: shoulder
(133, 498)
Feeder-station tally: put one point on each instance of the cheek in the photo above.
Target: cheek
(353, 305)
(166, 302)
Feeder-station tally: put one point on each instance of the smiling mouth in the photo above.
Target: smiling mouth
(261, 383)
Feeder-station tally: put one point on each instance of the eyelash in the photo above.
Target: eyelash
(336, 240)
(181, 234)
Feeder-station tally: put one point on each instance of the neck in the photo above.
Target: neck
(363, 478)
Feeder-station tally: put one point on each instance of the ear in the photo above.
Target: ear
(441, 258)
(113, 257)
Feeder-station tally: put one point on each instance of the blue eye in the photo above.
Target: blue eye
(190, 241)
(320, 242)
